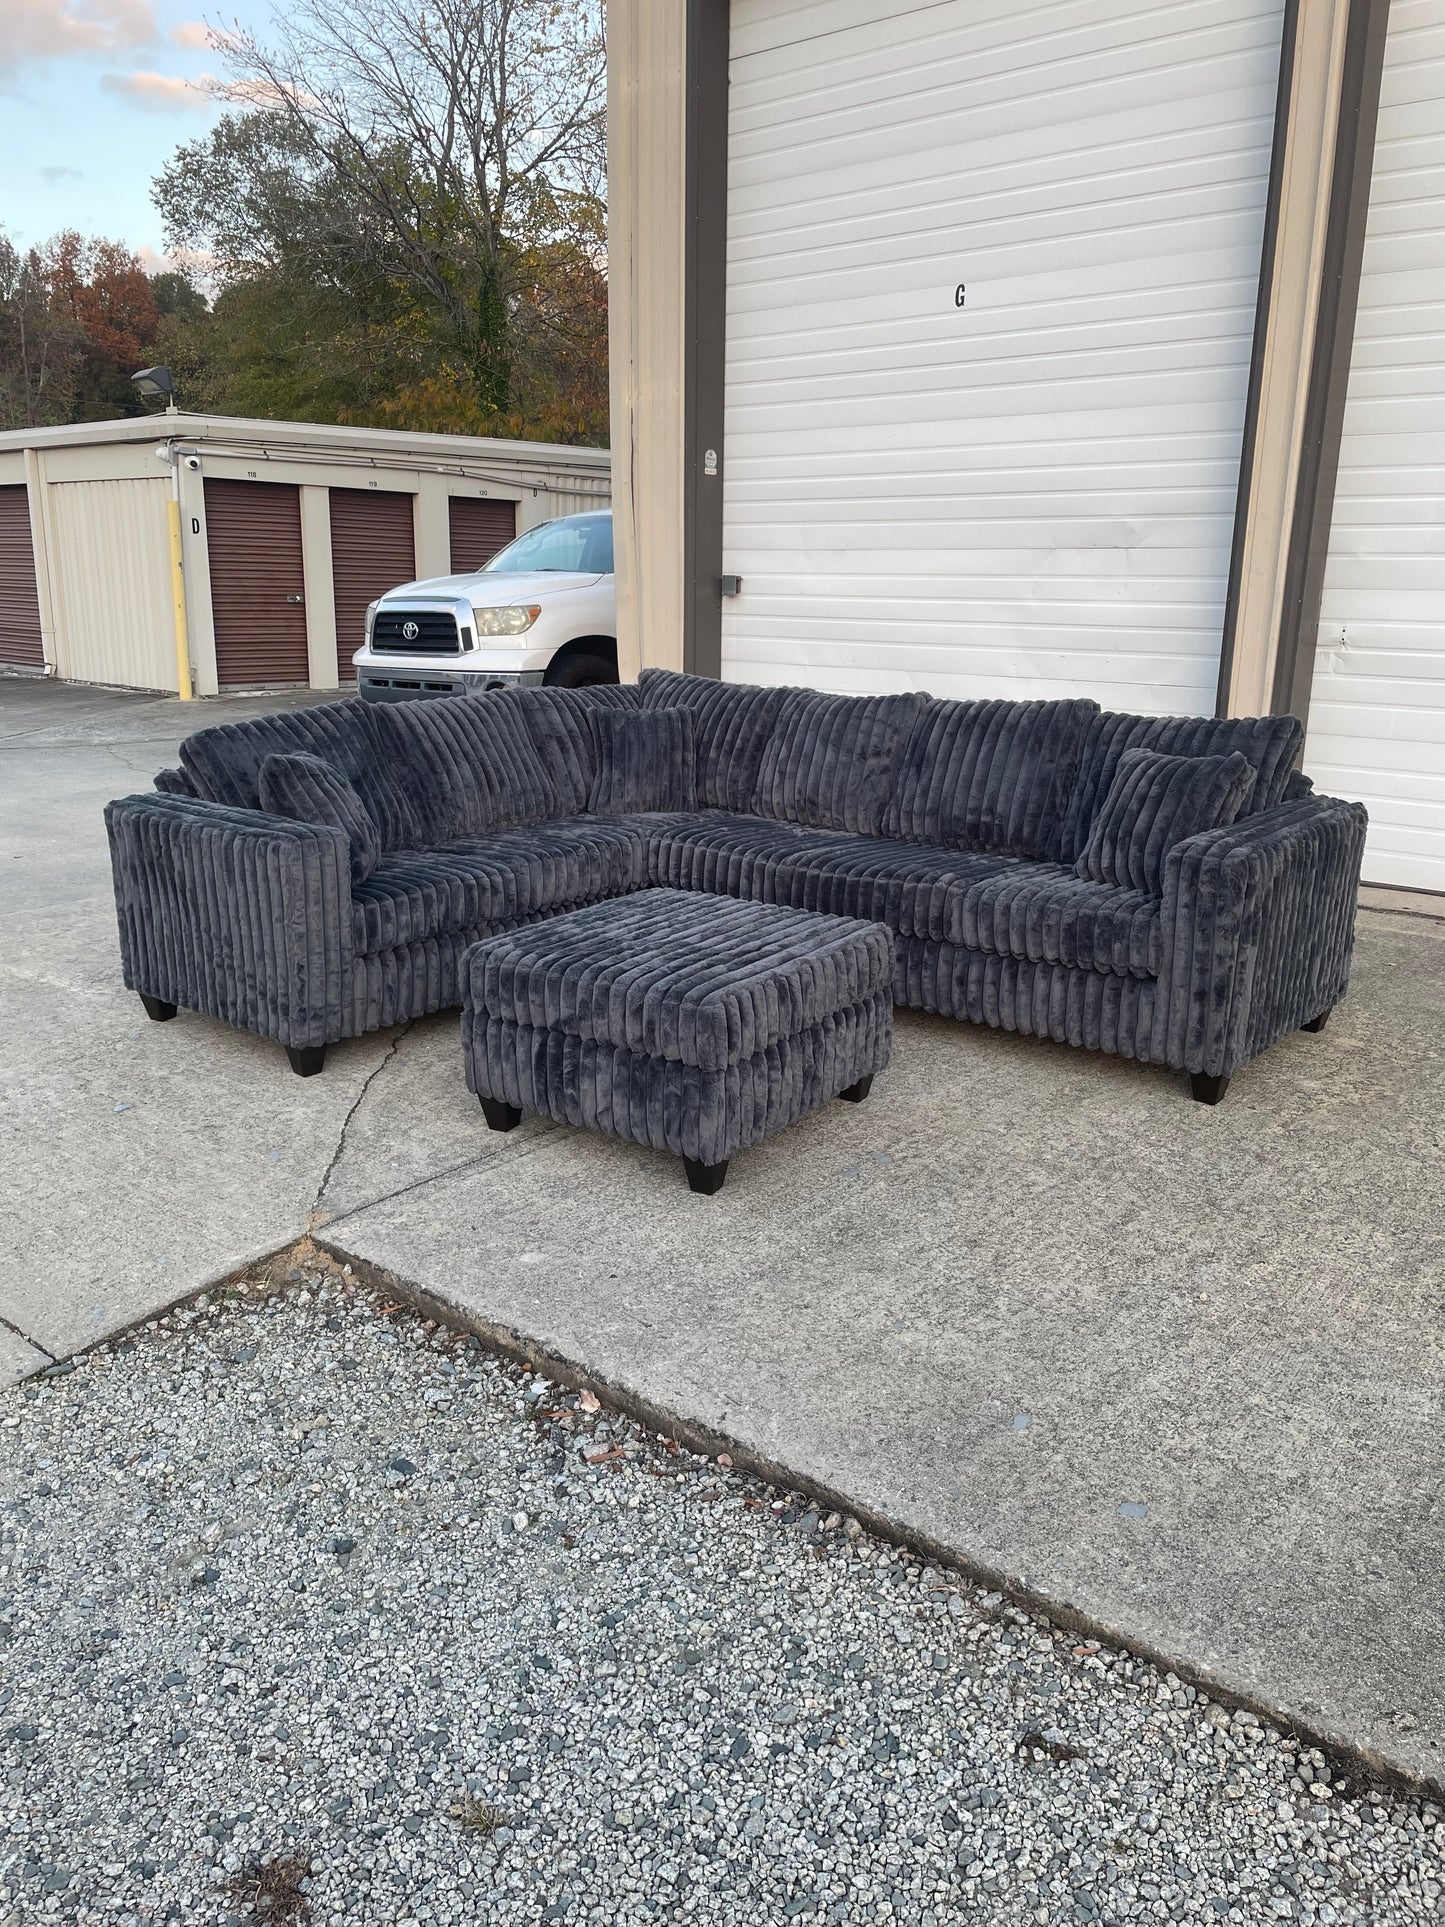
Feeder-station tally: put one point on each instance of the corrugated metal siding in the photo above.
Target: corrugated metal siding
(478, 529)
(1377, 712)
(258, 588)
(1034, 493)
(373, 549)
(20, 634)
(111, 552)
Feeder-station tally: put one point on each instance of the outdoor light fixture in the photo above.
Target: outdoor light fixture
(157, 382)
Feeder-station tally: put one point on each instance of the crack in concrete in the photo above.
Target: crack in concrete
(24, 1336)
(513, 1155)
(315, 1216)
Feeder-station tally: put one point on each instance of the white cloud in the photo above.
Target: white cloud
(191, 33)
(53, 176)
(164, 93)
(47, 29)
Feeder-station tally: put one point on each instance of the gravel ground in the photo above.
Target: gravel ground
(310, 1610)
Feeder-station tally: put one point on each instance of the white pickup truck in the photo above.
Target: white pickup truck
(543, 610)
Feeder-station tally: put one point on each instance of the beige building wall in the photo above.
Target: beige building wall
(110, 558)
(98, 495)
(645, 167)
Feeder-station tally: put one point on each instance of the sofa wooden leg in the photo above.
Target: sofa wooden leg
(1317, 1024)
(500, 1116)
(705, 1179)
(157, 1009)
(856, 1093)
(1207, 1090)
(308, 1061)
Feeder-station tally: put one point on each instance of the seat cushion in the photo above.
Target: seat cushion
(310, 790)
(915, 890)
(733, 722)
(990, 776)
(831, 761)
(475, 882)
(645, 761)
(1155, 802)
(1043, 913)
(706, 981)
(1271, 745)
(1040, 912)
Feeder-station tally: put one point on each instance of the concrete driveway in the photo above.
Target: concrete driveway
(1175, 1370)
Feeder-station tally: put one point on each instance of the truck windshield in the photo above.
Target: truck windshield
(574, 545)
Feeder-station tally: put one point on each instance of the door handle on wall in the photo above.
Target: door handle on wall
(295, 598)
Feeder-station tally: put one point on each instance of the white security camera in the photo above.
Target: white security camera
(193, 461)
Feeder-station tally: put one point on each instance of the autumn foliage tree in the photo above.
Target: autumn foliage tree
(406, 215)
(77, 318)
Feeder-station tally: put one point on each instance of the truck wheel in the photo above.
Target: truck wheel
(581, 672)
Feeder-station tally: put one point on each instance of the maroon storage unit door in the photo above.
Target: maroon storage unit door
(373, 549)
(20, 641)
(258, 587)
(479, 529)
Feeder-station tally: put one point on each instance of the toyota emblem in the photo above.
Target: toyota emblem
(410, 630)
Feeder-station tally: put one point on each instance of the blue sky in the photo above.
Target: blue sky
(93, 102)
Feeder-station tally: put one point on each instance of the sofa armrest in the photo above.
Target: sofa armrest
(234, 913)
(1258, 925)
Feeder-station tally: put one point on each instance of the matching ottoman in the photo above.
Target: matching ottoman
(690, 1023)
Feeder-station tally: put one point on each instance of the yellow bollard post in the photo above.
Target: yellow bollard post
(178, 602)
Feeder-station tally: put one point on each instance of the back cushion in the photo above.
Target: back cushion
(1271, 745)
(225, 762)
(559, 721)
(831, 761)
(992, 776)
(478, 768)
(732, 722)
(426, 771)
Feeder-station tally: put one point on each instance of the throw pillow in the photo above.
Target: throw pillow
(646, 760)
(310, 790)
(1154, 802)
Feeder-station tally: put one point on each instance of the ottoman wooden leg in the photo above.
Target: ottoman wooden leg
(705, 1179)
(157, 1009)
(500, 1116)
(856, 1093)
(1317, 1024)
(1206, 1089)
(308, 1061)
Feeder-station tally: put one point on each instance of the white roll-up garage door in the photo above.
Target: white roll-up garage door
(992, 281)
(1377, 711)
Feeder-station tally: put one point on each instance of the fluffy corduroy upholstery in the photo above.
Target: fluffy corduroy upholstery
(990, 776)
(1271, 745)
(559, 721)
(1154, 802)
(310, 790)
(831, 761)
(688, 1023)
(646, 760)
(734, 724)
(174, 782)
(1245, 934)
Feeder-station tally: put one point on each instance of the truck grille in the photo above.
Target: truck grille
(436, 632)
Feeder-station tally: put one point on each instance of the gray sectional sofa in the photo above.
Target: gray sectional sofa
(1165, 889)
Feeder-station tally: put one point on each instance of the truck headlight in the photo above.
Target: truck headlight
(371, 609)
(507, 622)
